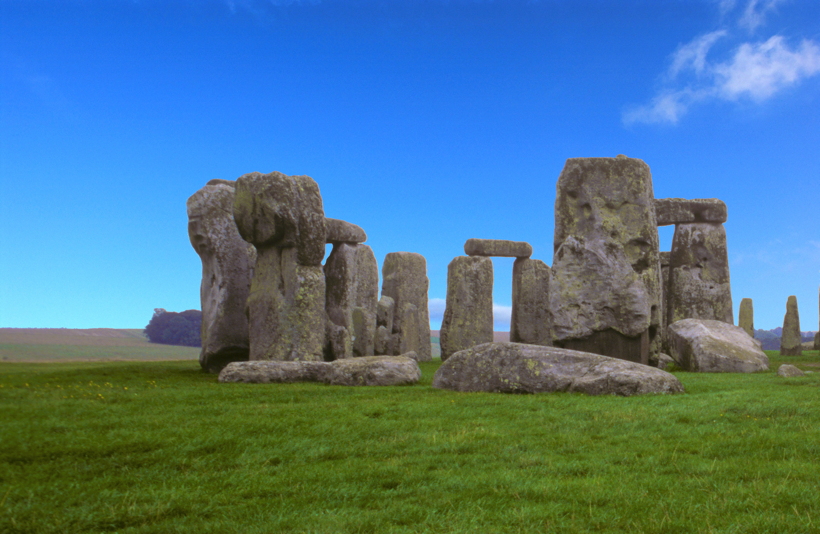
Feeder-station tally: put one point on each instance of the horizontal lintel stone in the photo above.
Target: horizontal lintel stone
(339, 231)
(497, 247)
(681, 210)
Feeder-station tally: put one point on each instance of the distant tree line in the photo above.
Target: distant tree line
(770, 339)
(172, 328)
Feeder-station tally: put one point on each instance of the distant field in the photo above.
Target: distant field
(94, 344)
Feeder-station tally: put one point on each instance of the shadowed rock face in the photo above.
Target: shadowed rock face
(227, 261)
(699, 286)
(746, 319)
(283, 217)
(708, 346)
(606, 271)
(531, 320)
(791, 342)
(520, 368)
(352, 280)
(468, 316)
(404, 279)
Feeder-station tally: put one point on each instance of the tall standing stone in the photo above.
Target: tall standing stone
(699, 286)
(531, 320)
(791, 342)
(227, 261)
(404, 279)
(605, 291)
(746, 319)
(352, 291)
(468, 315)
(283, 217)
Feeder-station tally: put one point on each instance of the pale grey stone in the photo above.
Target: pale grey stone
(699, 284)
(664, 361)
(520, 368)
(227, 262)
(468, 312)
(339, 231)
(338, 342)
(708, 346)
(791, 339)
(497, 247)
(385, 311)
(404, 279)
(680, 210)
(746, 318)
(381, 345)
(605, 292)
(787, 370)
(408, 340)
(365, 371)
(531, 320)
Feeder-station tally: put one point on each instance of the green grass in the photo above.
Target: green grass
(158, 447)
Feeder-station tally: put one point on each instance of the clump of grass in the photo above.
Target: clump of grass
(162, 447)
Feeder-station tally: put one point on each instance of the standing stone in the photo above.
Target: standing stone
(404, 279)
(665, 257)
(283, 217)
(468, 314)
(746, 319)
(699, 285)
(791, 343)
(227, 261)
(531, 320)
(352, 280)
(605, 292)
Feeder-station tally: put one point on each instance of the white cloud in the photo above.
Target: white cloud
(761, 70)
(755, 13)
(693, 55)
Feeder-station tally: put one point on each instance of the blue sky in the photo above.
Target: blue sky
(425, 122)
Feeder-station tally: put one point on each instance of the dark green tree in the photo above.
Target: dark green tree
(172, 328)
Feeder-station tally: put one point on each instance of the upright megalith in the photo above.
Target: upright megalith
(605, 291)
(531, 320)
(468, 314)
(404, 280)
(352, 291)
(227, 261)
(791, 343)
(699, 286)
(746, 319)
(283, 217)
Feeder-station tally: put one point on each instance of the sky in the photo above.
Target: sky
(425, 122)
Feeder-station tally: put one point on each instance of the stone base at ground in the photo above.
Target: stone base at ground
(364, 371)
(787, 370)
(520, 368)
(709, 346)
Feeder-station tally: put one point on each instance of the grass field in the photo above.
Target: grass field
(95, 344)
(158, 447)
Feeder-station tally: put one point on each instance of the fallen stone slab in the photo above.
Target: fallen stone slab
(520, 368)
(365, 371)
(708, 346)
(681, 210)
(498, 248)
(788, 371)
(339, 231)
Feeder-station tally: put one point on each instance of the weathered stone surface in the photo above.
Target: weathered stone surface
(227, 261)
(338, 342)
(699, 285)
(680, 210)
(286, 308)
(817, 340)
(408, 340)
(664, 361)
(468, 314)
(531, 320)
(339, 231)
(352, 280)
(276, 210)
(606, 271)
(365, 371)
(385, 311)
(709, 346)
(746, 319)
(404, 279)
(497, 247)
(520, 368)
(787, 370)
(791, 339)
(381, 344)
(665, 258)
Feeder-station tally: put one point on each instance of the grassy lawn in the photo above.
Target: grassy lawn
(139, 447)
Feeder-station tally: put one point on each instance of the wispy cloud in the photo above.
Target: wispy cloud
(754, 70)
